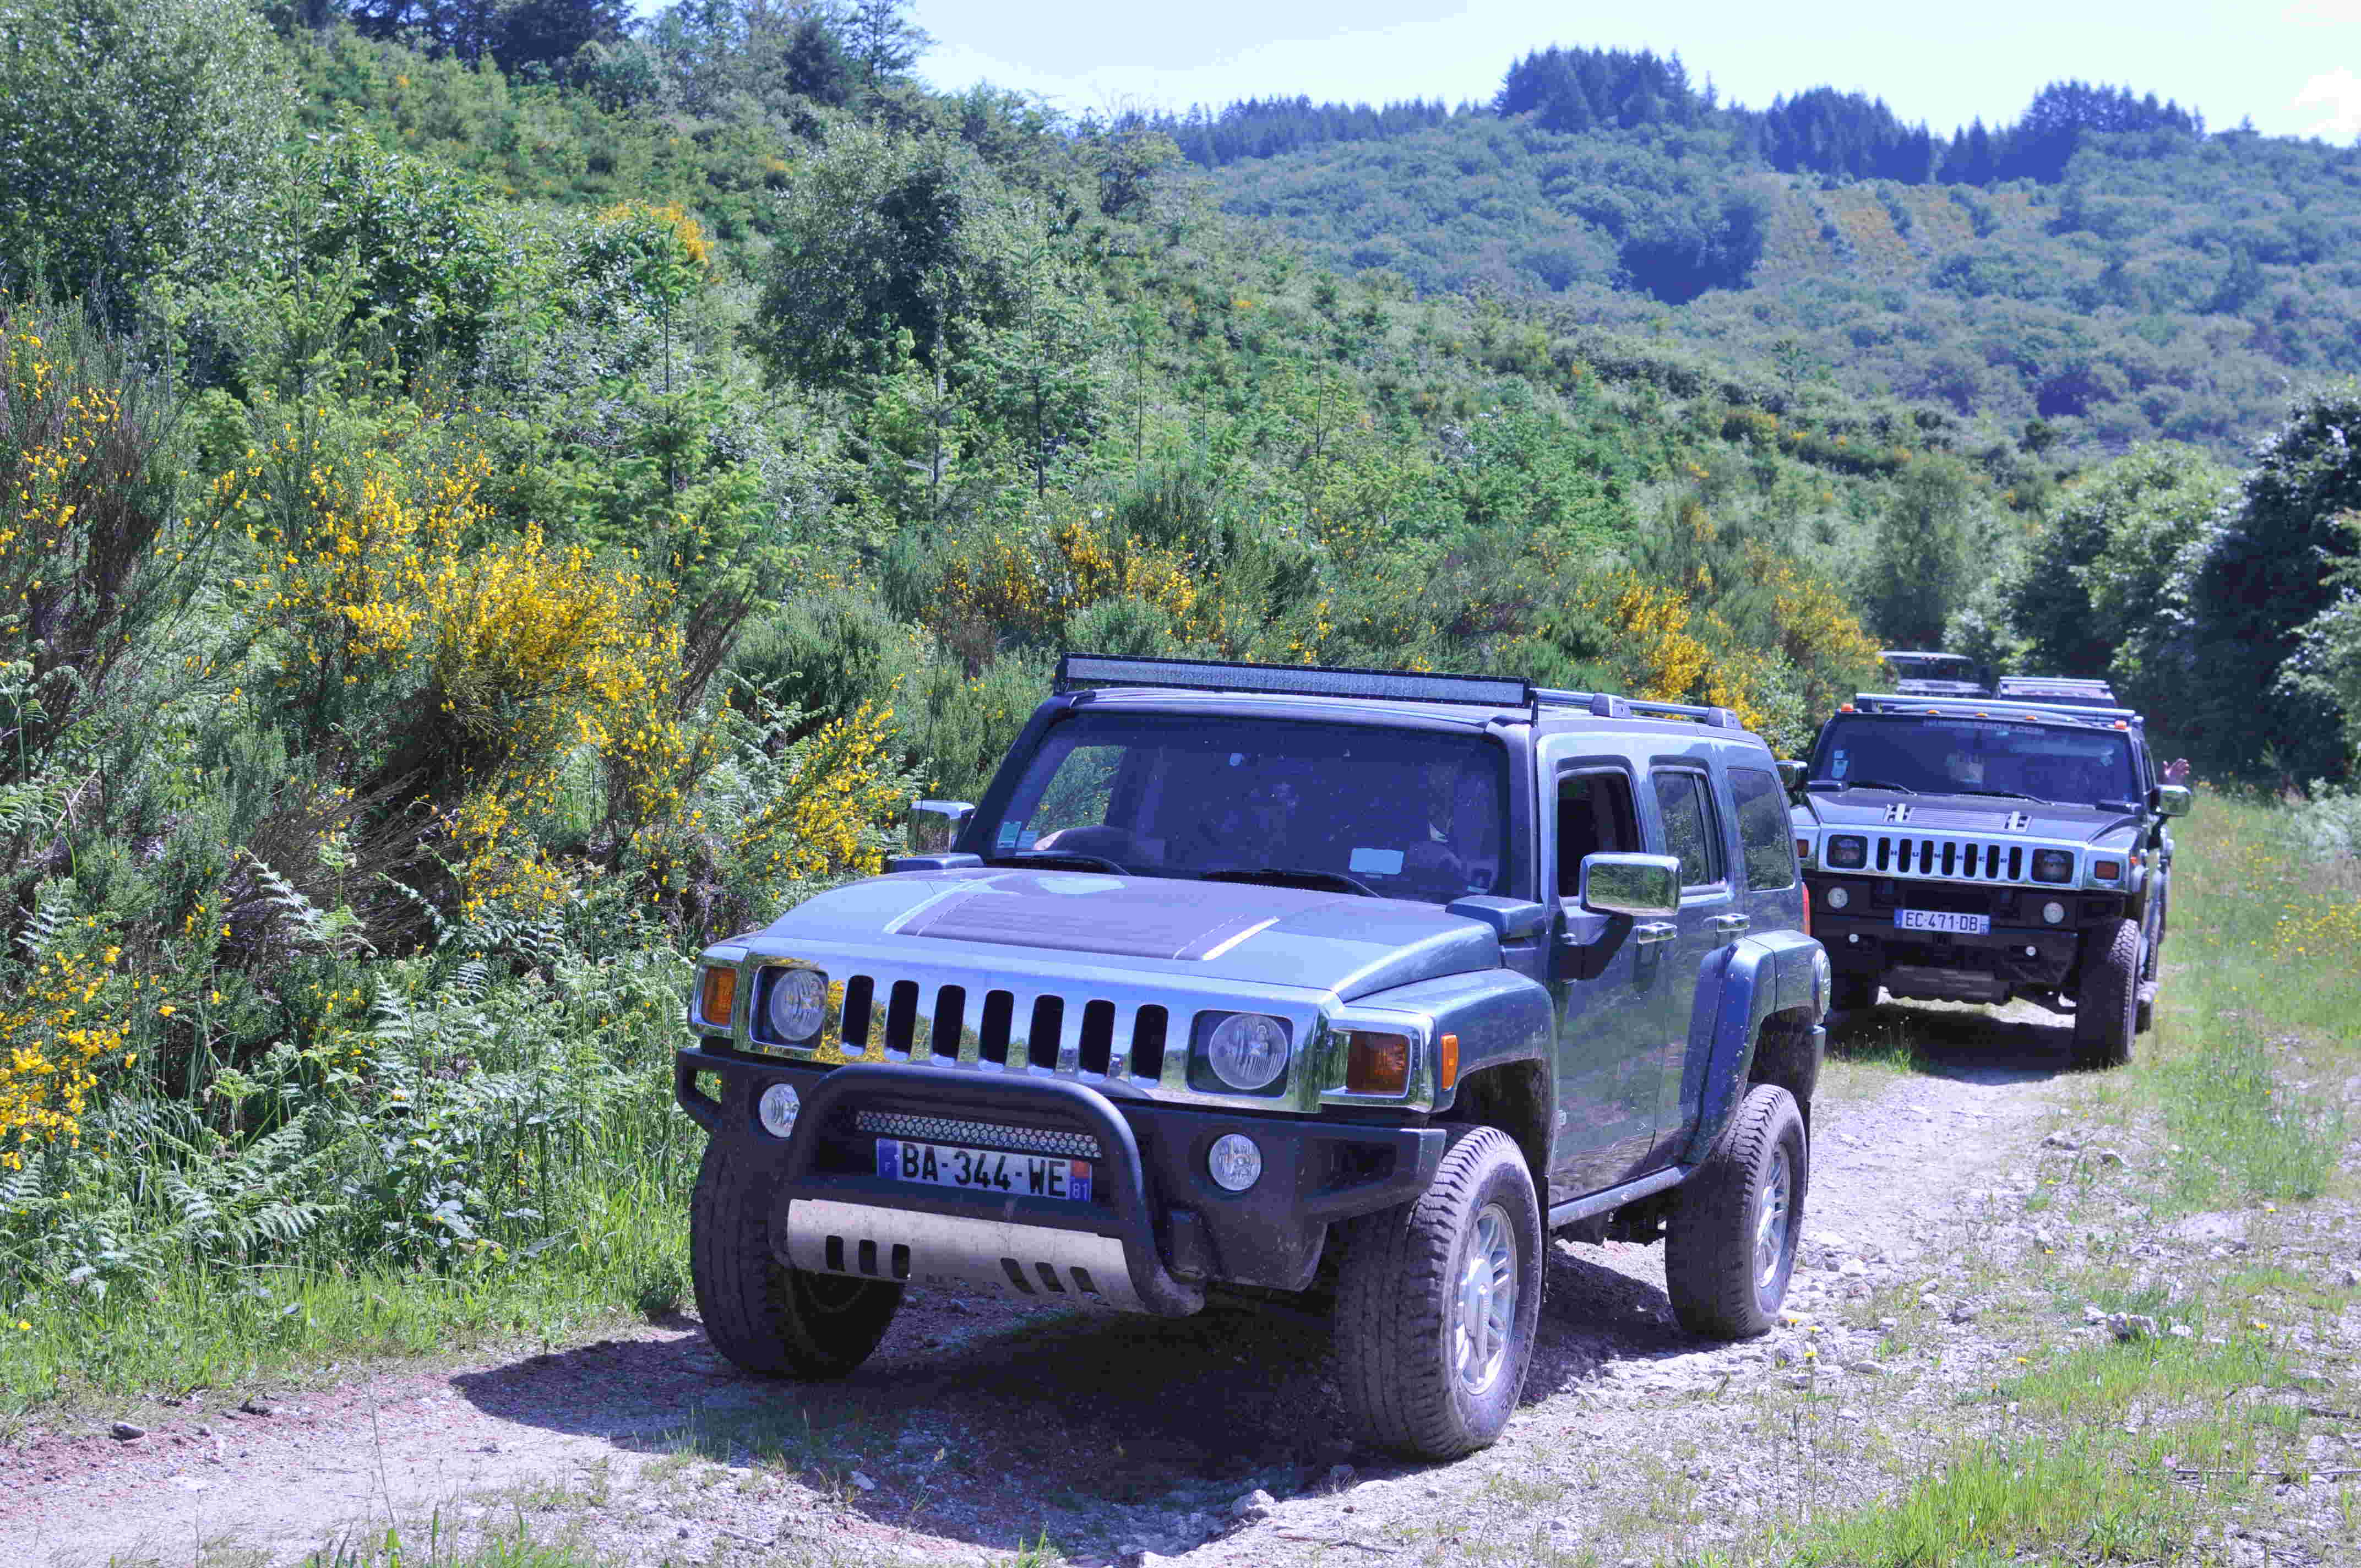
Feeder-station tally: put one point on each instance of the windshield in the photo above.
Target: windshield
(1977, 756)
(1931, 666)
(1405, 813)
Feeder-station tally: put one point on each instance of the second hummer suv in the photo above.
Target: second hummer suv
(1978, 850)
(1350, 983)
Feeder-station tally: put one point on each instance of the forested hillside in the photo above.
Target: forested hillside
(499, 500)
(2103, 263)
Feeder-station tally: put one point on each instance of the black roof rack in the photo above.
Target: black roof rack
(1080, 672)
(1995, 707)
(1605, 705)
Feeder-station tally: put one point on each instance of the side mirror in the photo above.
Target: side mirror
(2173, 800)
(935, 824)
(1792, 774)
(1632, 884)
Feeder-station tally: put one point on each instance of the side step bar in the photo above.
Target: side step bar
(1655, 1181)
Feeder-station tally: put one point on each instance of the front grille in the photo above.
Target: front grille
(901, 1019)
(1960, 859)
(977, 1135)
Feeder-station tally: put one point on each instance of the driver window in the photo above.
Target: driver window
(1593, 817)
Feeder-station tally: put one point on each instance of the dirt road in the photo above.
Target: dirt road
(981, 1428)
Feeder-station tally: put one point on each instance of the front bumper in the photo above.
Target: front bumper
(1155, 1231)
(2019, 954)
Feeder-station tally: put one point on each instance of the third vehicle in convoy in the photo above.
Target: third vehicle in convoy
(1935, 674)
(1977, 851)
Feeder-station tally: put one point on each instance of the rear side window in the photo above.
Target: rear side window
(1762, 828)
(1690, 834)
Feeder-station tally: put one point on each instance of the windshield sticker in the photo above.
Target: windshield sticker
(1009, 830)
(1376, 862)
(1839, 763)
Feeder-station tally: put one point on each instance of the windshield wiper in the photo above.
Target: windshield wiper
(1068, 860)
(2005, 794)
(1306, 877)
(1878, 783)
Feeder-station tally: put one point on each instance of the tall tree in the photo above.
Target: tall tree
(133, 131)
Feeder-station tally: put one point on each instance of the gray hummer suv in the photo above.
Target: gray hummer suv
(1977, 851)
(1356, 983)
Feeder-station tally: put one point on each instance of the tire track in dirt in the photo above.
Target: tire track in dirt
(980, 1425)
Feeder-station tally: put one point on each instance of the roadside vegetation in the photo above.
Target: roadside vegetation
(2221, 1394)
(484, 513)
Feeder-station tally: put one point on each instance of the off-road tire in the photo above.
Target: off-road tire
(1395, 1296)
(2106, 1003)
(758, 1312)
(1852, 994)
(1710, 1269)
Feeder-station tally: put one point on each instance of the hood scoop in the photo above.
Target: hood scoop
(1083, 914)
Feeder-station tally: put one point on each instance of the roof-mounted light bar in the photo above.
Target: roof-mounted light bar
(1077, 672)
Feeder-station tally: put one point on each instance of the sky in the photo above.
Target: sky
(2290, 64)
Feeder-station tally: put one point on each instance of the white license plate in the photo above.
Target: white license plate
(1942, 920)
(985, 1170)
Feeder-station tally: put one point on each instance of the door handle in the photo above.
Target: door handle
(1728, 924)
(1652, 932)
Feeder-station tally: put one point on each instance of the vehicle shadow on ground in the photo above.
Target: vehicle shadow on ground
(2022, 1044)
(990, 1423)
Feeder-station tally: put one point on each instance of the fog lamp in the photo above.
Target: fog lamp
(778, 1107)
(2053, 912)
(1838, 898)
(1233, 1162)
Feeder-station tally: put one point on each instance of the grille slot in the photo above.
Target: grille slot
(1147, 1042)
(858, 994)
(1098, 1037)
(950, 1021)
(1049, 1027)
(992, 1035)
(901, 1015)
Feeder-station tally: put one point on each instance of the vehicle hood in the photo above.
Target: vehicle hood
(1892, 811)
(1221, 932)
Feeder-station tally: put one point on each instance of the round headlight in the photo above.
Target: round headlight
(2053, 912)
(798, 1005)
(1247, 1050)
(778, 1107)
(1838, 898)
(1233, 1162)
(2052, 865)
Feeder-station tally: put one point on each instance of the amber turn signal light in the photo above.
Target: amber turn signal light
(1448, 1050)
(2106, 871)
(717, 997)
(1380, 1064)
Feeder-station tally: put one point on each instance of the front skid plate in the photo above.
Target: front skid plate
(868, 1243)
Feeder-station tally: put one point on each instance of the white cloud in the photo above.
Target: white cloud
(2323, 13)
(2338, 94)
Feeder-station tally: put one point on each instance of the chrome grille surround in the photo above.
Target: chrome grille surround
(1983, 859)
(978, 1134)
(904, 998)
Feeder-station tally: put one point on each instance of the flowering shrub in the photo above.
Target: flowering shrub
(60, 1025)
(1027, 585)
